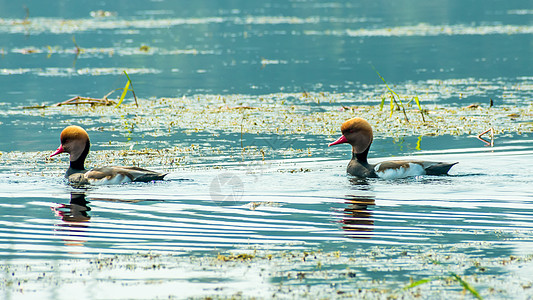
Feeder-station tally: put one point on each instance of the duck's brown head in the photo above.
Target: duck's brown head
(74, 141)
(358, 133)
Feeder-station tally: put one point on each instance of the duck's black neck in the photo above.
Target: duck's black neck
(79, 164)
(361, 157)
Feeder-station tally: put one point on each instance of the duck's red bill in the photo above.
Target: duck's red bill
(341, 140)
(58, 151)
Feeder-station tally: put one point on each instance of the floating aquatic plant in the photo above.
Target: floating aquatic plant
(398, 103)
(452, 276)
(126, 89)
(272, 117)
(393, 97)
(422, 111)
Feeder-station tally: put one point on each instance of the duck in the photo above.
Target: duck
(358, 133)
(75, 141)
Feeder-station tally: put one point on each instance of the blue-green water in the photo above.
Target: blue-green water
(451, 53)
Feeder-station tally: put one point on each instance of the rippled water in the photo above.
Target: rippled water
(293, 193)
(281, 204)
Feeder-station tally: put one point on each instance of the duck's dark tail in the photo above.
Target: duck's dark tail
(439, 168)
(150, 177)
(140, 175)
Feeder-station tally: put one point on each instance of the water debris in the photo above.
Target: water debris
(253, 205)
(78, 100)
(104, 101)
(487, 143)
(265, 62)
(145, 48)
(238, 257)
(26, 20)
(78, 48)
(102, 14)
(86, 100)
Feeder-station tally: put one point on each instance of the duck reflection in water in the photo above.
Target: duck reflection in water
(77, 211)
(357, 218)
(75, 216)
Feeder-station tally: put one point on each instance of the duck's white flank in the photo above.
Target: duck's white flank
(117, 179)
(413, 169)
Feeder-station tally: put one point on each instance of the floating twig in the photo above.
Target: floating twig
(487, 143)
(305, 93)
(78, 49)
(242, 133)
(77, 101)
(27, 17)
(95, 101)
(86, 100)
(473, 106)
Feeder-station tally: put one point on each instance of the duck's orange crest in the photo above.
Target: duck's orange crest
(73, 132)
(356, 124)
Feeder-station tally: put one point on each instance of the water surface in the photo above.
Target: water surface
(285, 191)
